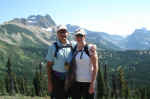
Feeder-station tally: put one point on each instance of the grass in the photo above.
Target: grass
(46, 97)
(23, 97)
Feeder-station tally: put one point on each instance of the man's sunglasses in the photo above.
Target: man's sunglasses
(62, 31)
(79, 35)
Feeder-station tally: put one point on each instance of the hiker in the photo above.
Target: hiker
(86, 62)
(57, 56)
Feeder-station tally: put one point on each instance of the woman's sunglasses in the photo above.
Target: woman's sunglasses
(79, 35)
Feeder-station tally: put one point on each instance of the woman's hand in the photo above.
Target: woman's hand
(91, 89)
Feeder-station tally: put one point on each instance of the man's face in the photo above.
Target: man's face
(62, 35)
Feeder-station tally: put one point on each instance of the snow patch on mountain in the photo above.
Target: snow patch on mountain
(29, 37)
(49, 29)
(7, 40)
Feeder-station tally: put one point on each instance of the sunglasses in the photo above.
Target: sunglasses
(62, 31)
(79, 35)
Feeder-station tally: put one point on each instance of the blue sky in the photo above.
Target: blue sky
(120, 17)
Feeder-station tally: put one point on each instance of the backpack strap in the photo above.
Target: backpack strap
(58, 48)
(68, 45)
(86, 49)
(74, 49)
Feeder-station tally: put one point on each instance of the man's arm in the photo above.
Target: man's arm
(49, 73)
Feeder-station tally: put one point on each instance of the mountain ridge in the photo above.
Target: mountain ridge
(138, 40)
(29, 49)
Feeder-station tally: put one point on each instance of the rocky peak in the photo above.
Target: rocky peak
(36, 20)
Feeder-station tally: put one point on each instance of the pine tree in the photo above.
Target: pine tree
(100, 85)
(35, 83)
(123, 87)
(142, 91)
(114, 86)
(40, 68)
(2, 88)
(38, 81)
(9, 78)
(16, 89)
(106, 81)
(148, 93)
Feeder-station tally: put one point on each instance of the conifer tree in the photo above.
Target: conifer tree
(9, 78)
(106, 81)
(123, 87)
(37, 81)
(16, 87)
(100, 85)
(114, 86)
(142, 91)
(2, 88)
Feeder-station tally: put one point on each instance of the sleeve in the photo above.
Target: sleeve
(73, 43)
(92, 49)
(69, 58)
(50, 55)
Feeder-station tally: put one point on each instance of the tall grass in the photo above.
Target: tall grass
(23, 97)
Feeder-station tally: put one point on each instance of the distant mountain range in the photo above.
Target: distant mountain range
(41, 28)
(26, 40)
(138, 40)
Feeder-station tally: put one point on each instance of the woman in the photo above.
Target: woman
(86, 68)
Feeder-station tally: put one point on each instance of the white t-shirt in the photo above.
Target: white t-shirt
(84, 67)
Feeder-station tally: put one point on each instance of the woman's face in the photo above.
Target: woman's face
(80, 38)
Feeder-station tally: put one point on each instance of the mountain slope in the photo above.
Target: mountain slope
(23, 60)
(140, 39)
(26, 46)
(21, 35)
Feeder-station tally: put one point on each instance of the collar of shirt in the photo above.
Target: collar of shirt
(60, 44)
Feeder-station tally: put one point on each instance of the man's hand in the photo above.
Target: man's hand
(49, 73)
(50, 87)
(93, 50)
(67, 66)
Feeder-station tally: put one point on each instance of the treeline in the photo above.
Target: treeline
(18, 83)
(134, 63)
(109, 85)
(114, 85)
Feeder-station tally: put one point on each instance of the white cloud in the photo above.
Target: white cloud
(120, 26)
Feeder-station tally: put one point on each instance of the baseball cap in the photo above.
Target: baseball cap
(80, 31)
(61, 27)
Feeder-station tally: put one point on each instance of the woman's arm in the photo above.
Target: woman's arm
(94, 61)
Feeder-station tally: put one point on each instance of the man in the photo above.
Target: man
(56, 57)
